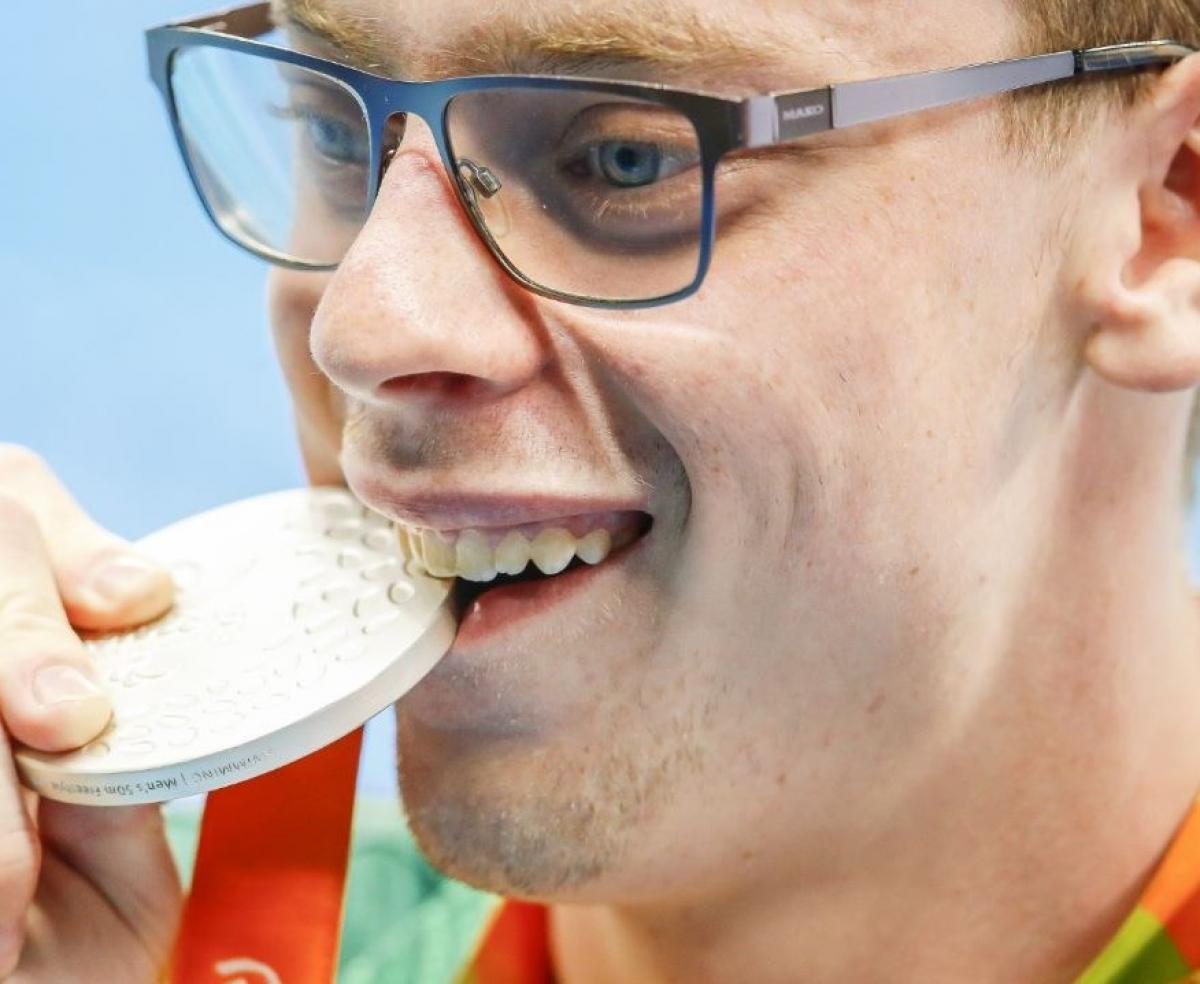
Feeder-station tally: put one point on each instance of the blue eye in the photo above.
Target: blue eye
(627, 164)
(335, 140)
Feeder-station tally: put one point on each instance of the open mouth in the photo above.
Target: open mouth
(514, 563)
(465, 592)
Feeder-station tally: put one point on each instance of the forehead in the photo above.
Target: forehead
(752, 45)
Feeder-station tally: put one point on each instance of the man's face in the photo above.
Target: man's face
(829, 439)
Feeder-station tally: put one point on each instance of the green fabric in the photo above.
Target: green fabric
(1141, 953)
(405, 922)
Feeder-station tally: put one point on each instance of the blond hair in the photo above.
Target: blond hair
(1053, 113)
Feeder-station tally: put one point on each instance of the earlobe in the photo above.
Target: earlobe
(1149, 338)
(1145, 302)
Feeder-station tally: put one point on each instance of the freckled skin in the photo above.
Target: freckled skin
(881, 649)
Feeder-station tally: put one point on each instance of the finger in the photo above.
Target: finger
(50, 694)
(103, 582)
(123, 852)
(31, 800)
(20, 860)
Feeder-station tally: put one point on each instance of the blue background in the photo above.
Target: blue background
(137, 358)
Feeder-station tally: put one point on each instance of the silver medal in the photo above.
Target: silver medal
(295, 621)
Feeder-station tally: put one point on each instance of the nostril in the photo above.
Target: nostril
(451, 385)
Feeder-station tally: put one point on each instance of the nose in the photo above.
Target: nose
(418, 304)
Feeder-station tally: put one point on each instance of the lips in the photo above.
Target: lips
(459, 510)
(515, 556)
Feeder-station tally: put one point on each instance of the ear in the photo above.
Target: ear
(1142, 288)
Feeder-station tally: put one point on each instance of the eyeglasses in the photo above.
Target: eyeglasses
(593, 192)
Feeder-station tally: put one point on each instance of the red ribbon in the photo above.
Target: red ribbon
(269, 880)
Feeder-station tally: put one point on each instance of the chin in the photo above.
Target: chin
(519, 819)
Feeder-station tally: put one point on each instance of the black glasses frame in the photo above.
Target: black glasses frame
(722, 124)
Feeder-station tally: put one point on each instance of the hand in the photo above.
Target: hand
(86, 893)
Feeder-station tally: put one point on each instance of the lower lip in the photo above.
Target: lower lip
(501, 608)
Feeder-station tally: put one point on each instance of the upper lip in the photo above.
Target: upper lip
(448, 510)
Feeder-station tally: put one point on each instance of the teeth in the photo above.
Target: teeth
(410, 543)
(594, 547)
(402, 536)
(512, 553)
(552, 550)
(439, 558)
(472, 555)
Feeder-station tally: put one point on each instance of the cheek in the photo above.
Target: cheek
(845, 395)
(292, 299)
(885, 309)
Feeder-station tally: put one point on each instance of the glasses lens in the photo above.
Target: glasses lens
(583, 192)
(280, 153)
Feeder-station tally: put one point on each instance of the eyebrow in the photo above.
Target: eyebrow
(659, 38)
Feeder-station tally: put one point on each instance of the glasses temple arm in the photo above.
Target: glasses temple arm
(784, 116)
(242, 22)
